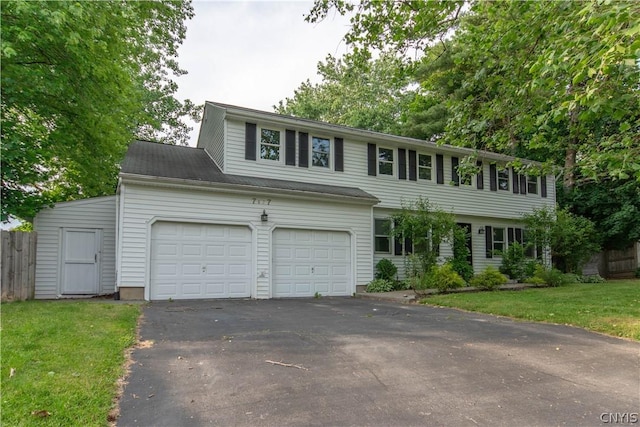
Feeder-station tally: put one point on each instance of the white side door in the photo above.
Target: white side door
(80, 261)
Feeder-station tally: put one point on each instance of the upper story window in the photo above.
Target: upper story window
(465, 179)
(320, 151)
(503, 179)
(385, 161)
(532, 184)
(424, 166)
(270, 142)
(382, 233)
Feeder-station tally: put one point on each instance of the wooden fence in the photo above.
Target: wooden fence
(622, 264)
(18, 258)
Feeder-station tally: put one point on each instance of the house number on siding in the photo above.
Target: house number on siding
(255, 201)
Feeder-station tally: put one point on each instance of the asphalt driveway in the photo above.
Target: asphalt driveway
(359, 362)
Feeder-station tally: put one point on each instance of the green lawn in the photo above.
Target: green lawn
(612, 307)
(67, 357)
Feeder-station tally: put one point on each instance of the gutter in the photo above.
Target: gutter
(223, 187)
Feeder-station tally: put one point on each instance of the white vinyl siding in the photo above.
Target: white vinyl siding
(143, 205)
(463, 200)
(96, 213)
(211, 136)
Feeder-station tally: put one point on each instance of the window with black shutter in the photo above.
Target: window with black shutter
(402, 163)
(290, 147)
(339, 154)
(480, 176)
(372, 159)
(303, 149)
(454, 171)
(250, 136)
(493, 177)
(439, 168)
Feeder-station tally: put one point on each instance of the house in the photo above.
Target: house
(271, 206)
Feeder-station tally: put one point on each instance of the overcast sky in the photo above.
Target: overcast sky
(253, 53)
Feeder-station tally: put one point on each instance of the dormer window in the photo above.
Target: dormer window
(385, 161)
(320, 152)
(270, 142)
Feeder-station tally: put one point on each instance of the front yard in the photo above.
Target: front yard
(612, 308)
(61, 360)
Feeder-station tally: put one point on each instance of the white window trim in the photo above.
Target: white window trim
(329, 167)
(280, 148)
(508, 172)
(431, 168)
(534, 181)
(503, 241)
(393, 162)
(388, 236)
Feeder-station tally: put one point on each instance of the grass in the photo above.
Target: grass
(67, 358)
(612, 308)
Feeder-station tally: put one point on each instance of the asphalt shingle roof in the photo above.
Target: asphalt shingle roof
(178, 162)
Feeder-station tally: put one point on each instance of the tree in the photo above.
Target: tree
(427, 226)
(80, 81)
(355, 91)
(572, 239)
(612, 205)
(547, 80)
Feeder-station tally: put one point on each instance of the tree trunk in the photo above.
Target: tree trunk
(569, 180)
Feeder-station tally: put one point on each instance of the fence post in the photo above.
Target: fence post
(18, 258)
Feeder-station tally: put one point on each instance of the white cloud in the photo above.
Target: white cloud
(253, 54)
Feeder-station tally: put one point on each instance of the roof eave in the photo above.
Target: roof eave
(224, 187)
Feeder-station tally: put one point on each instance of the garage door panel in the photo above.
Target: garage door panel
(310, 261)
(190, 261)
(215, 250)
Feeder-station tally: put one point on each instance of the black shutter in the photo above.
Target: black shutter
(408, 245)
(250, 148)
(402, 163)
(339, 144)
(439, 168)
(480, 176)
(510, 235)
(519, 238)
(488, 238)
(454, 171)
(397, 246)
(290, 147)
(493, 178)
(516, 188)
(543, 186)
(413, 166)
(372, 159)
(523, 184)
(303, 150)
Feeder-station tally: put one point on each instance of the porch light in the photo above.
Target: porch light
(481, 230)
(264, 217)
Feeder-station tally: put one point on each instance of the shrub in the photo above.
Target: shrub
(380, 285)
(401, 285)
(489, 279)
(552, 277)
(444, 278)
(596, 278)
(387, 270)
(515, 264)
(538, 281)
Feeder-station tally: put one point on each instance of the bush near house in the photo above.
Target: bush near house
(380, 285)
(489, 279)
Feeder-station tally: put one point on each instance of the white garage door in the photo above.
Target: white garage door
(310, 261)
(190, 261)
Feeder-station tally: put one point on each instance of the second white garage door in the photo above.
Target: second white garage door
(191, 261)
(307, 262)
